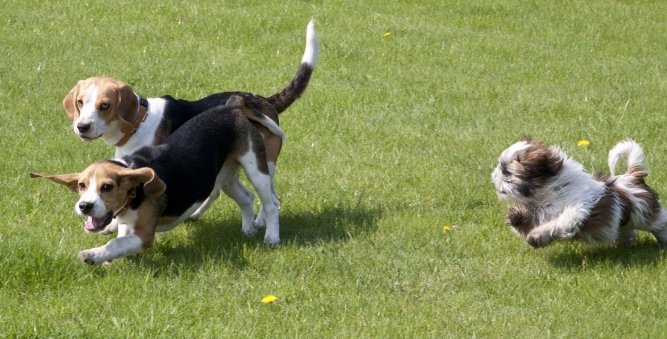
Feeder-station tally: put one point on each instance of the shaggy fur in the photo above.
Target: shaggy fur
(553, 198)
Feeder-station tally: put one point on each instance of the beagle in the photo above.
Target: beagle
(107, 108)
(158, 187)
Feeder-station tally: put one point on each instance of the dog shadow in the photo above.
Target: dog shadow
(210, 240)
(643, 253)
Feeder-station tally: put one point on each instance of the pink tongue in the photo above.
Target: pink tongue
(89, 224)
(93, 224)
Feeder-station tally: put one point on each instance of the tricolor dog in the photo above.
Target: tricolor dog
(107, 108)
(553, 198)
(158, 187)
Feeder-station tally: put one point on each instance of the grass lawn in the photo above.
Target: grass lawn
(408, 109)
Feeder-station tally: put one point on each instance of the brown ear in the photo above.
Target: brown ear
(71, 180)
(153, 186)
(69, 103)
(126, 108)
(554, 161)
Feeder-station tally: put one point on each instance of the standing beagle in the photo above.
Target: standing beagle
(107, 108)
(158, 187)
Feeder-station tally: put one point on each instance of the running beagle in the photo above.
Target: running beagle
(107, 108)
(158, 187)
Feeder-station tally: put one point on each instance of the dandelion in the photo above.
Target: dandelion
(386, 34)
(269, 299)
(583, 143)
(446, 228)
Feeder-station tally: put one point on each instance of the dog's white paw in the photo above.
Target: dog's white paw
(249, 230)
(91, 257)
(538, 240)
(271, 240)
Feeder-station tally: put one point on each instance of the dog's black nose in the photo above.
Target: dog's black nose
(83, 128)
(86, 207)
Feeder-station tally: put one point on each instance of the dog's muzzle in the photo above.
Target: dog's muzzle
(93, 224)
(84, 130)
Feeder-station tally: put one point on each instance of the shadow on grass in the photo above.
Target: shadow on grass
(210, 240)
(644, 253)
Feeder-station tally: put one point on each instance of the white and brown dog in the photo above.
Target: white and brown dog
(107, 108)
(157, 187)
(553, 198)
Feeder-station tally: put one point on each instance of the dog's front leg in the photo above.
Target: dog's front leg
(115, 248)
(519, 220)
(564, 226)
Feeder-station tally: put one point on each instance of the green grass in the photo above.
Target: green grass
(395, 138)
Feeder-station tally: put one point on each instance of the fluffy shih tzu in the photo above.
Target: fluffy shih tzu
(552, 197)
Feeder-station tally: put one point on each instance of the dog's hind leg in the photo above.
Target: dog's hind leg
(661, 236)
(260, 220)
(659, 227)
(230, 184)
(656, 223)
(263, 186)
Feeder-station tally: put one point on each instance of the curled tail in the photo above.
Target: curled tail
(635, 155)
(297, 86)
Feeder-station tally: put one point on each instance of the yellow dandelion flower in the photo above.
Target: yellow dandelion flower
(386, 34)
(269, 299)
(446, 228)
(583, 143)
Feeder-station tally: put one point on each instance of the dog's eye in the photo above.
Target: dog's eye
(106, 188)
(82, 186)
(505, 172)
(79, 103)
(104, 106)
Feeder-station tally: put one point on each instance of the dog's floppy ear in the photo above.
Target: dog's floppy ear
(71, 180)
(153, 186)
(69, 103)
(127, 106)
(540, 161)
(554, 161)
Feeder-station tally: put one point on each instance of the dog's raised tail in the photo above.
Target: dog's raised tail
(635, 156)
(297, 86)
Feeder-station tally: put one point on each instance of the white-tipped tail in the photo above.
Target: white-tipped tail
(312, 47)
(273, 127)
(299, 82)
(635, 156)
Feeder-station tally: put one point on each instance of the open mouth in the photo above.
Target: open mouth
(93, 224)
